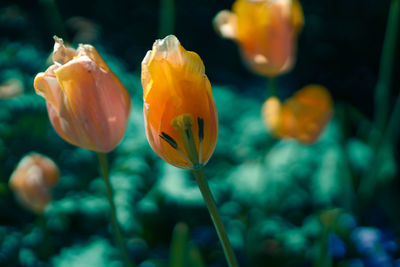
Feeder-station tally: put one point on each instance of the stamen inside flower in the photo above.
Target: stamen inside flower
(200, 123)
(169, 140)
(183, 123)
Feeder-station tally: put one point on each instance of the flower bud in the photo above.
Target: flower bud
(179, 110)
(302, 116)
(88, 106)
(32, 180)
(266, 31)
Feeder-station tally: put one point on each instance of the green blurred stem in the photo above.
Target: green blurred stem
(324, 258)
(54, 18)
(179, 246)
(117, 231)
(393, 129)
(167, 18)
(216, 218)
(382, 135)
(382, 89)
(271, 86)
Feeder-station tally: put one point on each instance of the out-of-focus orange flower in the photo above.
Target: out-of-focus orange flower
(88, 106)
(11, 88)
(179, 110)
(32, 180)
(266, 31)
(302, 116)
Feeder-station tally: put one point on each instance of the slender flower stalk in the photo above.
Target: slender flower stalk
(271, 86)
(386, 66)
(117, 231)
(386, 128)
(216, 218)
(167, 17)
(185, 130)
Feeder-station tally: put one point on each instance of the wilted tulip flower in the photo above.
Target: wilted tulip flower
(32, 180)
(87, 104)
(302, 116)
(266, 31)
(179, 110)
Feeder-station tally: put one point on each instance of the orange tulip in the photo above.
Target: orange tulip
(179, 110)
(266, 31)
(302, 116)
(32, 179)
(87, 104)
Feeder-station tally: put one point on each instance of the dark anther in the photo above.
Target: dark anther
(169, 140)
(200, 122)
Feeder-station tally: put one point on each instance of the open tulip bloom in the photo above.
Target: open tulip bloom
(88, 106)
(266, 32)
(180, 116)
(303, 116)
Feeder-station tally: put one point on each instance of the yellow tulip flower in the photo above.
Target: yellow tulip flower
(179, 110)
(266, 31)
(302, 116)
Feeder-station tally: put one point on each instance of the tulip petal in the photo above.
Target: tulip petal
(46, 85)
(97, 103)
(297, 16)
(312, 107)
(91, 52)
(225, 24)
(302, 116)
(271, 111)
(62, 54)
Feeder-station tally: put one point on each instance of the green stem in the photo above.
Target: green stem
(117, 231)
(386, 65)
(55, 21)
(216, 218)
(324, 258)
(383, 130)
(271, 86)
(183, 123)
(393, 129)
(167, 18)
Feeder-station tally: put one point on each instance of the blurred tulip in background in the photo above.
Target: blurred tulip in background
(302, 116)
(32, 180)
(266, 32)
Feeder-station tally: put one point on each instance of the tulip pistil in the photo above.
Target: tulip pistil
(183, 123)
